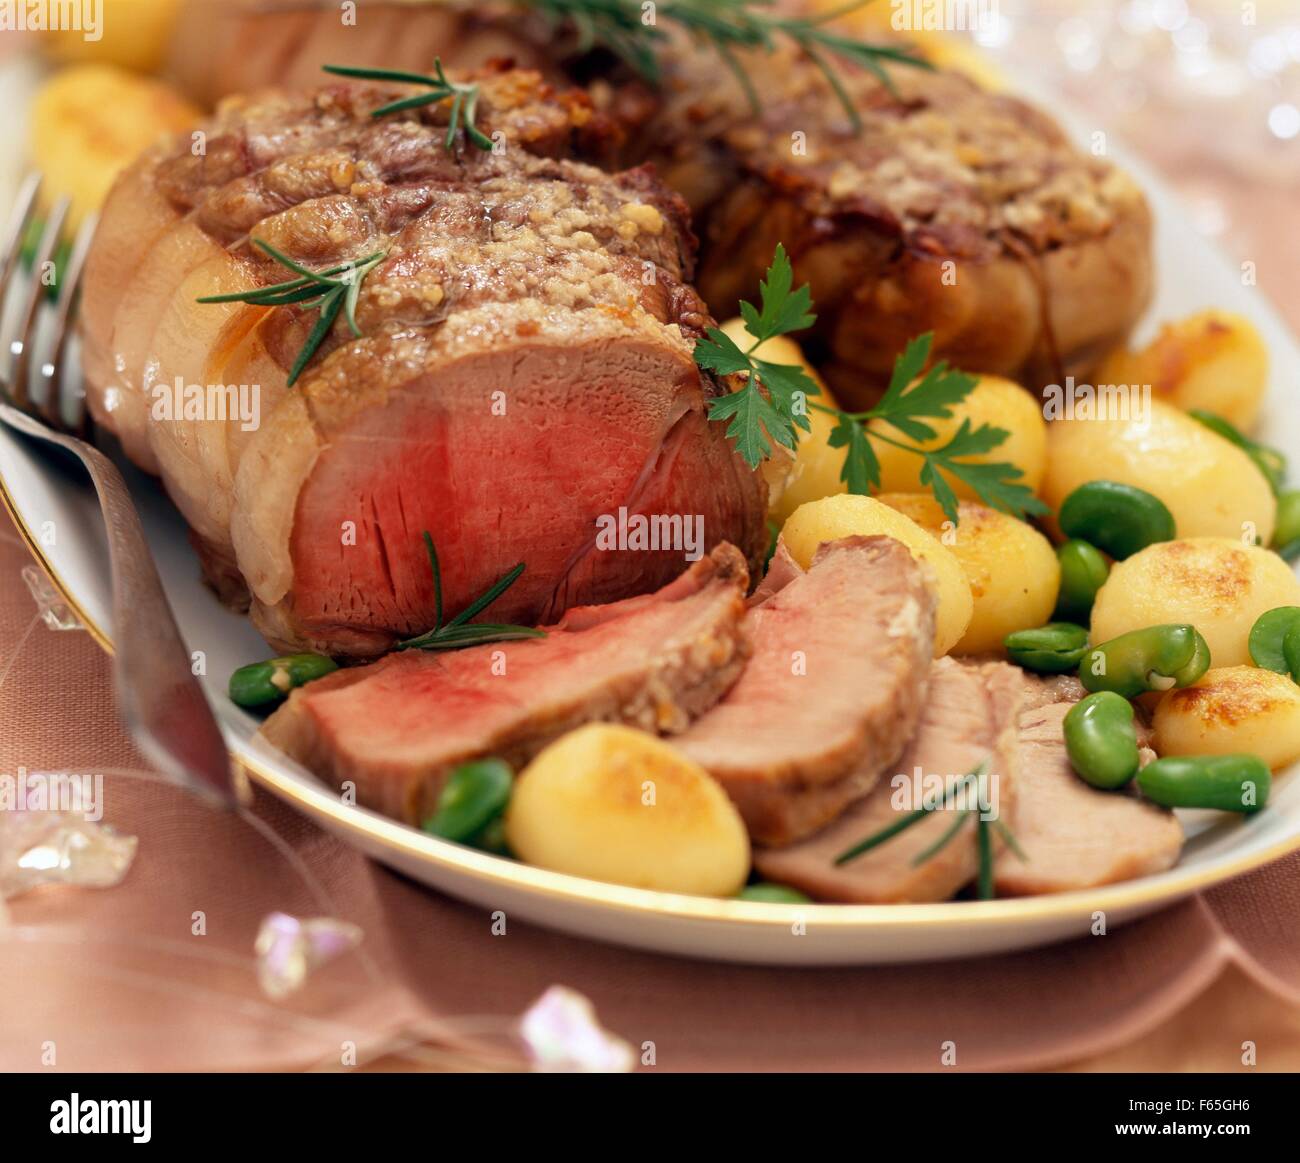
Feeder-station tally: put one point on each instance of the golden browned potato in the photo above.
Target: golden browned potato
(813, 471)
(993, 401)
(1218, 585)
(1211, 487)
(615, 804)
(1232, 709)
(1213, 360)
(850, 515)
(131, 33)
(1011, 567)
(88, 122)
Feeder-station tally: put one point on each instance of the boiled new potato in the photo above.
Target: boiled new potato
(88, 122)
(1211, 487)
(612, 803)
(1217, 584)
(1232, 709)
(131, 33)
(850, 515)
(994, 401)
(1011, 567)
(1213, 360)
(814, 469)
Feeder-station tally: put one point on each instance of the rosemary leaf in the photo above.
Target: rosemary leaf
(726, 26)
(985, 839)
(312, 290)
(432, 551)
(459, 633)
(365, 74)
(1009, 839)
(913, 817)
(940, 844)
(488, 597)
(478, 634)
(328, 313)
(464, 98)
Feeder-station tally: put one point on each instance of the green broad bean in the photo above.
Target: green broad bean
(1268, 634)
(1286, 530)
(1268, 460)
(260, 684)
(1118, 519)
(1101, 739)
(1227, 783)
(1291, 652)
(776, 894)
(1052, 649)
(1084, 570)
(1156, 658)
(493, 838)
(475, 794)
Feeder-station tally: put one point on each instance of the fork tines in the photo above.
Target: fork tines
(30, 324)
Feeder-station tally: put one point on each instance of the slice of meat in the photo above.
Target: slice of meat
(1074, 836)
(396, 728)
(969, 717)
(832, 691)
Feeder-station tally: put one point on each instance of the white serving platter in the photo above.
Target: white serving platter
(55, 510)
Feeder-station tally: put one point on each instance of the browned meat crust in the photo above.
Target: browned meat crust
(953, 210)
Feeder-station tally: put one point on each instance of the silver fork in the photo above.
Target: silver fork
(159, 697)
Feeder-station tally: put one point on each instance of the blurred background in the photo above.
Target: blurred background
(1208, 91)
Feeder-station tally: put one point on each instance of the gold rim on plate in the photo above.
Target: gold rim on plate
(484, 868)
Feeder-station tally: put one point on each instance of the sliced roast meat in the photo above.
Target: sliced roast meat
(947, 208)
(832, 691)
(396, 728)
(524, 371)
(969, 717)
(1074, 836)
(1042, 690)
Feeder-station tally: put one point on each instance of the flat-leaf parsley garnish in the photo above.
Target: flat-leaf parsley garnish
(772, 406)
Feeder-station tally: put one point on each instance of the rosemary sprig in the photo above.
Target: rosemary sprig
(726, 25)
(984, 883)
(456, 633)
(324, 290)
(914, 817)
(464, 97)
(940, 844)
(774, 401)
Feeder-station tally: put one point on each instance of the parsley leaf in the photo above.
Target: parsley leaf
(932, 397)
(720, 354)
(784, 310)
(753, 418)
(774, 400)
(994, 484)
(861, 471)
